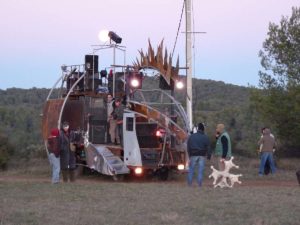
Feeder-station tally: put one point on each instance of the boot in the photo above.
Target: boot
(72, 175)
(65, 175)
(298, 176)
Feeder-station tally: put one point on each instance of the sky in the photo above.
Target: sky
(38, 36)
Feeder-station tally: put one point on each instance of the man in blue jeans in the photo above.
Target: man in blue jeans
(267, 143)
(198, 148)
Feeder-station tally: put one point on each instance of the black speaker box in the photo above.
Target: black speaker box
(97, 134)
(91, 61)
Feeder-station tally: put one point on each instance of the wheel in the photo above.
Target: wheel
(119, 177)
(163, 174)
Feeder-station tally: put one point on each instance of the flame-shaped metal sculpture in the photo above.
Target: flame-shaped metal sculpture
(161, 62)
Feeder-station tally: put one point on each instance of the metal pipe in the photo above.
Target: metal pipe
(189, 71)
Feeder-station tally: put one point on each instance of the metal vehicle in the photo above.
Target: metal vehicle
(155, 125)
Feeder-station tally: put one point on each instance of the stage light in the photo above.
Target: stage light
(113, 36)
(103, 35)
(179, 84)
(134, 82)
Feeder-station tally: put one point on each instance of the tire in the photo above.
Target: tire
(163, 174)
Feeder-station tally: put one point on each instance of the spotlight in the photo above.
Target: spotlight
(113, 36)
(179, 84)
(134, 82)
(103, 35)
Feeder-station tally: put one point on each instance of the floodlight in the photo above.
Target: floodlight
(103, 35)
(113, 36)
(179, 84)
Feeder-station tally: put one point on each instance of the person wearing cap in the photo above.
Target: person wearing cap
(54, 152)
(223, 146)
(198, 147)
(67, 155)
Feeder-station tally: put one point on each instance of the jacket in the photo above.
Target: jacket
(223, 146)
(198, 145)
(267, 141)
(67, 157)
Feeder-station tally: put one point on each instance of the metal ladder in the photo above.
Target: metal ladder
(101, 159)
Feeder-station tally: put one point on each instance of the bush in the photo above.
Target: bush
(6, 151)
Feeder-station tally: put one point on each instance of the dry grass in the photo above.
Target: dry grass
(98, 200)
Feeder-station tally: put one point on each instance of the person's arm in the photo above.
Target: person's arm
(224, 142)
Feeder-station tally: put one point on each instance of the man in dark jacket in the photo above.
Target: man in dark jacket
(198, 148)
(67, 156)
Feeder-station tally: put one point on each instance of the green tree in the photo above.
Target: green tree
(279, 100)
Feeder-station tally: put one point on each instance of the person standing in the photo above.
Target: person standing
(268, 145)
(118, 113)
(67, 155)
(113, 123)
(54, 152)
(198, 146)
(110, 109)
(223, 146)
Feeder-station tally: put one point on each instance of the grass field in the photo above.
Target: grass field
(27, 197)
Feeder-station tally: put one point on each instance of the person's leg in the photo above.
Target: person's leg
(112, 130)
(56, 170)
(72, 175)
(65, 174)
(298, 176)
(221, 165)
(117, 133)
(271, 161)
(51, 157)
(263, 159)
(201, 166)
(120, 133)
(192, 163)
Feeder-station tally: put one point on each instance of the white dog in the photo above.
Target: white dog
(225, 175)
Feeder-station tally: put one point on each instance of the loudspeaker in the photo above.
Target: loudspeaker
(97, 134)
(119, 83)
(91, 62)
(89, 85)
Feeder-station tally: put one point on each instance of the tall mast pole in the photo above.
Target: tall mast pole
(189, 66)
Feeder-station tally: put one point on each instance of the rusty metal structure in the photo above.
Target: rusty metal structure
(155, 125)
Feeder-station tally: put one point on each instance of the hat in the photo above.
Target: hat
(54, 132)
(201, 126)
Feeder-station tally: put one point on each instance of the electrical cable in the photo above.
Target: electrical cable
(179, 25)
